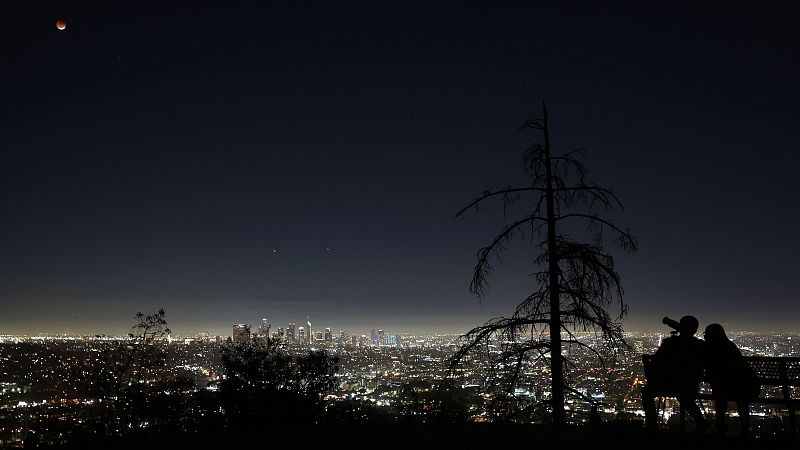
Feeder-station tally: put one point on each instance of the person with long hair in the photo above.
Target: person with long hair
(730, 376)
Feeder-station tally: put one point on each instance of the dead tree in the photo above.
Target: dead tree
(576, 282)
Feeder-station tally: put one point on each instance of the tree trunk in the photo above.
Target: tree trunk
(556, 360)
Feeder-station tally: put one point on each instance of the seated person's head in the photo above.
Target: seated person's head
(689, 325)
(714, 333)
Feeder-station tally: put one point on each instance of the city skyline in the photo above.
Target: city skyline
(390, 225)
(39, 384)
(188, 328)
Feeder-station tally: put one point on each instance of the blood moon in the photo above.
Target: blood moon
(61, 25)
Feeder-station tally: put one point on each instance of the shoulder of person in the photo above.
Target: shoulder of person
(693, 344)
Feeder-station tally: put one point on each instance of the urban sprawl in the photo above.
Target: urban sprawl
(41, 376)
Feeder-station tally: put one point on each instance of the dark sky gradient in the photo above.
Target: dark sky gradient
(156, 154)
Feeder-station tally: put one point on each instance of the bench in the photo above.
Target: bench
(780, 372)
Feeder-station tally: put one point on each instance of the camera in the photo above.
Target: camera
(672, 323)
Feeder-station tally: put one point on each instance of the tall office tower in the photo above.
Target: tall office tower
(309, 333)
(290, 332)
(373, 337)
(328, 335)
(301, 335)
(381, 338)
(263, 329)
(241, 333)
(278, 335)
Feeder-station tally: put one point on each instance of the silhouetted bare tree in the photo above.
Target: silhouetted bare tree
(129, 376)
(576, 281)
(128, 362)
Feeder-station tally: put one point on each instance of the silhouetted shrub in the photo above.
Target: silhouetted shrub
(263, 381)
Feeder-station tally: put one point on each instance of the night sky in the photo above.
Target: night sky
(236, 160)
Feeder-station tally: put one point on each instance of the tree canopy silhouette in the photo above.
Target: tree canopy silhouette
(576, 281)
(260, 375)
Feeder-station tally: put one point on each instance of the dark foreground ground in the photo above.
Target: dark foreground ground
(419, 436)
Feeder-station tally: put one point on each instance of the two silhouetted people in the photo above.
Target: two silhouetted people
(678, 366)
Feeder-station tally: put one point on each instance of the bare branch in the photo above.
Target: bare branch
(484, 267)
(489, 194)
(532, 123)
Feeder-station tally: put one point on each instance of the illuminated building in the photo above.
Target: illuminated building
(263, 330)
(241, 333)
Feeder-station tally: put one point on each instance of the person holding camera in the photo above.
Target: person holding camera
(676, 370)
